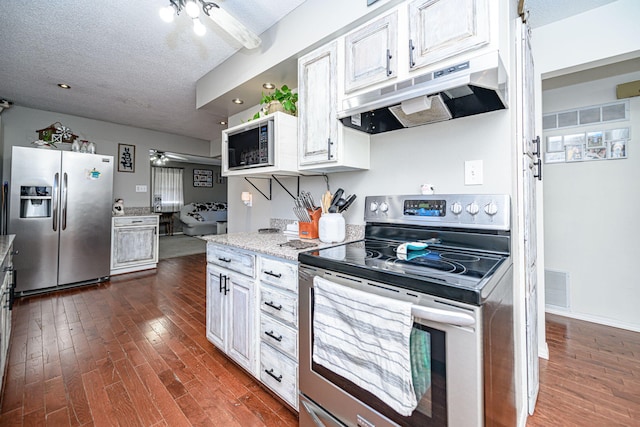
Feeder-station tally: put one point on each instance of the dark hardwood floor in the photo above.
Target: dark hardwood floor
(592, 377)
(129, 352)
(133, 352)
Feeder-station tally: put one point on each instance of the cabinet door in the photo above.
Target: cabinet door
(443, 28)
(216, 308)
(371, 53)
(241, 345)
(318, 125)
(134, 245)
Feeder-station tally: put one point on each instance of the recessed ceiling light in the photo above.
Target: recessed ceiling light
(269, 86)
(64, 86)
(222, 122)
(237, 101)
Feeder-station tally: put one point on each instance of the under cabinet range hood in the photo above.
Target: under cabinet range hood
(477, 85)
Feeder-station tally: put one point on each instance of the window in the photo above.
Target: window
(167, 188)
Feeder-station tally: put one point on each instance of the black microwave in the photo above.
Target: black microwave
(251, 146)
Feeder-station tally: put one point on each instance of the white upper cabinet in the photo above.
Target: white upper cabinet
(323, 142)
(440, 29)
(371, 53)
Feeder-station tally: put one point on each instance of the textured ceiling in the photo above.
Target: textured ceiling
(124, 64)
(127, 66)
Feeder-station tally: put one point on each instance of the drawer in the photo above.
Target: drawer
(126, 221)
(232, 259)
(278, 335)
(279, 273)
(279, 304)
(279, 373)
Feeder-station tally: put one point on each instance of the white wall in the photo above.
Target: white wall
(400, 162)
(561, 48)
(20, 125)
(591, 225)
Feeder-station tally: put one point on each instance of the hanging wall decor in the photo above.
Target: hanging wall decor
(126, 158)
(586, 146)
(202, 178)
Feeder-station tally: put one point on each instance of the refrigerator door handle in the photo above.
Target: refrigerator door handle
(64, 201)
(55, 201)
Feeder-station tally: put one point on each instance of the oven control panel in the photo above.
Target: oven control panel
(479, 211)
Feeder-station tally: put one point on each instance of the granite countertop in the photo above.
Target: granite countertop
(267, 243)
(5, 243)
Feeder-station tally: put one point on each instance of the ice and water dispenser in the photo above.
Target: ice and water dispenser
(35, 202)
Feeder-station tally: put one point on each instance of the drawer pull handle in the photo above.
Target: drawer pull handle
(271, 273)
(272, 305)
(270, 372)
(224, 259)
(273, 336)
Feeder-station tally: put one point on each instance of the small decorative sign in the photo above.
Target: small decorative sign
(202, 178)
(126, 158)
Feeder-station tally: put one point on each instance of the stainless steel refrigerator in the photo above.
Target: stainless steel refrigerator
(60, 211)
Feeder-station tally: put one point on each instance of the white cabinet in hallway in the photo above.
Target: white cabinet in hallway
(134, 243)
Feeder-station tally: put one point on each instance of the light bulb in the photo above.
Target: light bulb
(167, 14)
(199, 28)
(192, 9)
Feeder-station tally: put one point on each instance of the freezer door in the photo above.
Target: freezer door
(86, 196)
(33, 216)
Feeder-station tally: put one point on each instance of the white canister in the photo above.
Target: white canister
(331, 228)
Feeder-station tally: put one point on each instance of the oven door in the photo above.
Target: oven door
(447, 375)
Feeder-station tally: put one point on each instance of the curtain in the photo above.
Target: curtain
(167, 185)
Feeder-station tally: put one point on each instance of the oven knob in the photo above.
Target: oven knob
(384, 207)
(473, 208)
(456, 208)
(373, 206)
(491, 209)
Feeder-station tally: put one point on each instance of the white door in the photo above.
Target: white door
(371, 53)
(532, 172)
(216, 307)
(440, 29)
(318, 125)
(241, 323)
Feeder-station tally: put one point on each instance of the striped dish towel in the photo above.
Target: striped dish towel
(364, 338)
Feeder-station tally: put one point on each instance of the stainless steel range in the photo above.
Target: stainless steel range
(439, 263)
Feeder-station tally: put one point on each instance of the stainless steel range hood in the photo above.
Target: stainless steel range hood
(477, 85)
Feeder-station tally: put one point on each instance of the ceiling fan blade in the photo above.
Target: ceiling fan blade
(232, 26)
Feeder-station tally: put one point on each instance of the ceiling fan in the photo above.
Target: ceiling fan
(218, 15)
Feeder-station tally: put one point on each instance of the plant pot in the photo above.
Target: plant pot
(274, 106)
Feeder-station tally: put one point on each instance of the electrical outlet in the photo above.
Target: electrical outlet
(473, 172)
(141, 188)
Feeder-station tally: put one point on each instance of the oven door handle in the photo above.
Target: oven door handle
(442, 316)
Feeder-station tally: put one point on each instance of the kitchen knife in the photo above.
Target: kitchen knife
(348, 203)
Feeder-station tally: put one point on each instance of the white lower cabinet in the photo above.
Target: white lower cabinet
(231, 315)
(134, 243)
(255, 320)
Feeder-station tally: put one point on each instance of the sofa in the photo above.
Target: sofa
(202, 218)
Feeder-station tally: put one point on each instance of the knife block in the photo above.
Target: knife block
(309, 230)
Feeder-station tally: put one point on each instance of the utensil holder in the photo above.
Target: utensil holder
(309, 230)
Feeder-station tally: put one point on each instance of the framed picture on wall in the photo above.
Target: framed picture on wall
(595, 139)
(574, 153)
(202, 178)
(617, 149)
(126, 158)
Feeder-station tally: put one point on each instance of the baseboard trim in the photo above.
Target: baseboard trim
(595, 319)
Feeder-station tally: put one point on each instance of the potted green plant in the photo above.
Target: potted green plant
(282, 99)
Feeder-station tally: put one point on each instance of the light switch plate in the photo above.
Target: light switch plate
(141, 188)
(473, 172)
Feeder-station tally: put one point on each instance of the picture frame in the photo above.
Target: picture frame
(126, 158)
(202, 178)
(595, 153)
(554, 157)
(574, 153)
(618, 149)
(554, 144)
(595, 139)
(574, 139)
